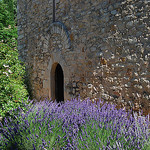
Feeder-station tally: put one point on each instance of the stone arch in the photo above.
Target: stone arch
(56, 35)
(58, 30)
(57, 83)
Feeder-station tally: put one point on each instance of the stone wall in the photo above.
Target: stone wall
(102, 46)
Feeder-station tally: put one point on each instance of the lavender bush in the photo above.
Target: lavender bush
(75, 125)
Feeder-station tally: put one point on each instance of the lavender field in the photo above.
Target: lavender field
(75, 125)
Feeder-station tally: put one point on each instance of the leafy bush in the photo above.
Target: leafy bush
(9, 36)
(8, 31)
(5, 15)
(75, 125)
(12, 89)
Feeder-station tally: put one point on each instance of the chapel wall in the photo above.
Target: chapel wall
(109, 54)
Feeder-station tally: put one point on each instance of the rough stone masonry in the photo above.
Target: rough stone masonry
(102, 47)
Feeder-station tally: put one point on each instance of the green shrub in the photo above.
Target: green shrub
(9, 35)
(12, 88)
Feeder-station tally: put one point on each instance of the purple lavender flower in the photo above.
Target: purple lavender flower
(36, 135)
(43, 142)
(86, 146)
(34, 147)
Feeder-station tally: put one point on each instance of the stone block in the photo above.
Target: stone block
(45, 84)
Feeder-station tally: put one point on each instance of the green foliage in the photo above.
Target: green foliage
(11, 8)
(5, 16)
(8, 31)
(15, 9)
(8, 13)
(9, 36)
(10, 4)
(12, 87)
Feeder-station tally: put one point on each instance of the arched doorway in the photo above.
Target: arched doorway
(59, 84)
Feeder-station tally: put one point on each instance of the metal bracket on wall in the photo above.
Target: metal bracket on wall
(54, 4)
